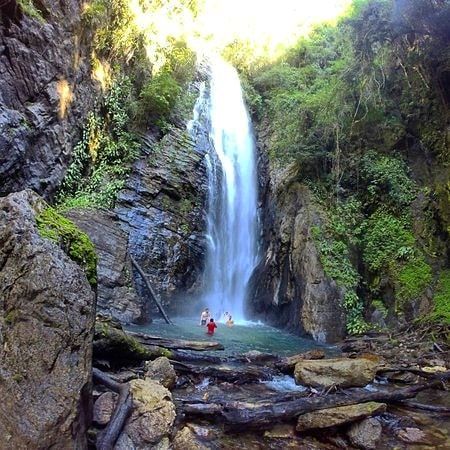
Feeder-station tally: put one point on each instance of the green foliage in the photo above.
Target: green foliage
(380, 306)
(413, 278)
(101, 160)
(334, 256)
(74, 242)
(441, 310)
(29, 8)
(354, 310)
(386, 238)
(387, 180)
(333, 242)
(116, 33)
(158, 97)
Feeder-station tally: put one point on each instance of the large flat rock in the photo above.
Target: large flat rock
(341, 372)
(341, 415)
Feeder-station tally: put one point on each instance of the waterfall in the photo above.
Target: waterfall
(232, 202)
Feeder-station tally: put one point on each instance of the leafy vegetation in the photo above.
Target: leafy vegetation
(441, 311)
(355, 105)
(29, 8)
(101, 160)
(73, 241)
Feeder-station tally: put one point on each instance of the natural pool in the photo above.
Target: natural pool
(240, 338)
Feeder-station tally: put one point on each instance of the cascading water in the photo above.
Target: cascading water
(232, 205)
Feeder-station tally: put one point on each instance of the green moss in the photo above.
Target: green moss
(441, 310)
(74, 242)
(387, 238)
(29, 8)
(17, 377)
(413, 279)
(380, 306)
(11, 317)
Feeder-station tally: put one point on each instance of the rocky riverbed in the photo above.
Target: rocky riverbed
(364, 398)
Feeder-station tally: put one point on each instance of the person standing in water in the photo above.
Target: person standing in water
(230, 322)
(204, 317)
(211, 327)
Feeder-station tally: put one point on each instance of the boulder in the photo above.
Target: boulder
(325, 418)
(46, 328)
(116, 296)
(161, 370)
(288, 364)
(341, 372)
(365, 434)
(153, 414)
(124, 442)
(186, 439)
(104, 407)
(114, 348)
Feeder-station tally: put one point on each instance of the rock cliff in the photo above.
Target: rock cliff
(47, 310)
(116, 295)
(45, 92)
(162, 211)
(289, 287)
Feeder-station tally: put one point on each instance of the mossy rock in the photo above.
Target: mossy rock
(113, 345)
(441, 300)
(71, 239)
(412, 280)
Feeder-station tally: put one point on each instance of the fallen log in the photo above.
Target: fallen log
(243, 415)
(187, 356)
(419, 372)
(152, 293)
(149, 340)
(237, 375)
(108, 437)
(422, 406)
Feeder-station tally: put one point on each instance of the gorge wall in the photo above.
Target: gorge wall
(46, 91)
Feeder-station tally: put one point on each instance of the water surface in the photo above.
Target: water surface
(237, 339)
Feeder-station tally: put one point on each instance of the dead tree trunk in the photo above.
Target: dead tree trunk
(239, 375)
(240, 415)
(108, 437)
(152, 293)
(146, 339)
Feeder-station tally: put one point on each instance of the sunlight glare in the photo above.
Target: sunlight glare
(268, 26)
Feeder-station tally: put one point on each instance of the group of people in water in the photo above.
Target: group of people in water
(207, 321)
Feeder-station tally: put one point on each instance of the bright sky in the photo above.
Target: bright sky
(266, 24)
(270, 22)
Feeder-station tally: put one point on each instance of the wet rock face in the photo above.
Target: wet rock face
(162, 211)
(46, 329)
(45, 93)
(116, 295)
(289, 287)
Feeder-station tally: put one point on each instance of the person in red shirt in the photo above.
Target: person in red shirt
(211, 326)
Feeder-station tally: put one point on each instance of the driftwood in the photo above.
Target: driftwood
(422, 406)
(188, 356)
(419, 372)
(108, 437)
(239, 375)
(242, 415)
(146, 339)
(152, 293)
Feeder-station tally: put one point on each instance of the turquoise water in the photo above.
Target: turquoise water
(237, 339)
